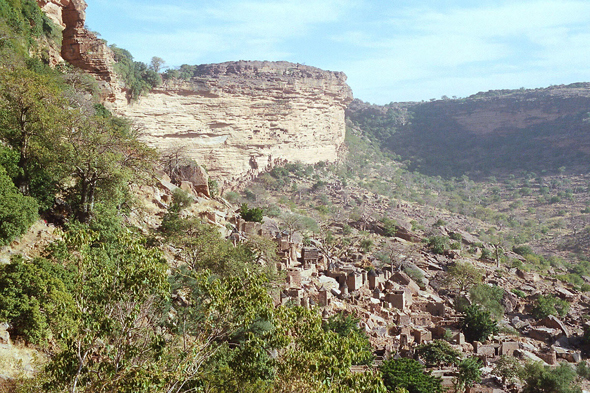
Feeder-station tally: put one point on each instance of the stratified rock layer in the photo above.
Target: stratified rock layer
(239, 118)
(82, 48)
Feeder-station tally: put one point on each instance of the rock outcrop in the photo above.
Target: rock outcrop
(240, 118)
(498, 133)
(236, 118)
(81, 47)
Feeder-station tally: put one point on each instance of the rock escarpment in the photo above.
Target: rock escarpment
(493, 133)
(240, 118)
(236, 118)
(81, 47)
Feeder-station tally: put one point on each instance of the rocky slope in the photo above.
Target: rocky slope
(239, 118)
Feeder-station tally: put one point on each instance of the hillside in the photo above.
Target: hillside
(487, 134)
(316, 258)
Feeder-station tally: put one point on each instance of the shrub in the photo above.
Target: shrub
(253, 215)
(438, 353)
(469, 373)
(213, 187)
(232, 197)
(415, 274)
(507, 368)
(439, 223)
(550, 305)
(477, 325)
(17, 212)
(180, 200)
(583, 370)
(463, 275)
(539, 379)
(366, 245)
(486, 254)
(523, 250)
(408, 374)
(438, 244)
(489, 297)
(456, 236)
(518, 293)
(389, 226)
(348, 326)
(35, 300)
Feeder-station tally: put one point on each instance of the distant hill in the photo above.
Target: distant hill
(493, 133)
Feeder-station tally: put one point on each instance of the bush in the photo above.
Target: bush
(523, 250)
(348, 326)
(539, 379)
(550, 305)
(463, 275)
(508, 369)
(408, 374)
(366, 245)
(583, 370)
(489, 297)
(232, 197)
(253, 215)
(17, 212)
(486, 254)
(438, 244)
(518, 293)
(180, 200)
(416, 275)
(438, 353)
(469, 373)
(477, 325)
(35, 301)
(389, 226)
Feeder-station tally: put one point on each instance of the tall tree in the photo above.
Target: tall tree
(105, 154)
(33, 117)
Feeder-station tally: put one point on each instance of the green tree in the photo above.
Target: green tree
(439, 244)
(17, 212)
(438, 353)
(254, 214)
(469, 373)
(36, 302)
(539, 379)
(477, 324)
(32, 122)
(348, 326)
(489, 297)
(550, 305)
(463, 275)
(408, 374)
(118, 288)
(508, 369)
(104, 155)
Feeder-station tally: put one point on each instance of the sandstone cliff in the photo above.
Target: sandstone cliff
(236, 118)
(494, 133)
(240, 118)
(81, 47)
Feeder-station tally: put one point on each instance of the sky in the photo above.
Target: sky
(391, 51)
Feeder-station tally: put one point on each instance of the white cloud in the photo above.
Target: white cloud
(424, 52)
(389, 51)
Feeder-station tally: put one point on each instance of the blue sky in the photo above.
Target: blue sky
(390, 50)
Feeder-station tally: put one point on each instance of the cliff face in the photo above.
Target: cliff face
(236, 118)
(240, 118)
(493, 133)
(80, 47)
